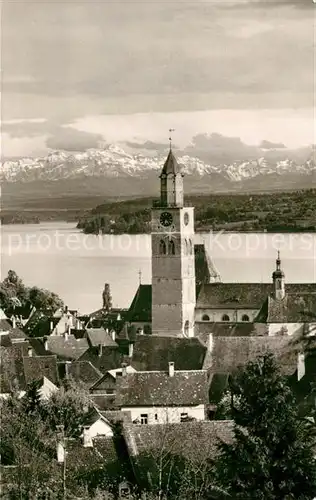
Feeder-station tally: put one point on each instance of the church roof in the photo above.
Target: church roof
(230, 353)
(140, 309)
(243, 295)
(156, 388)
(293, 308)
(205, 270)
(171, 166)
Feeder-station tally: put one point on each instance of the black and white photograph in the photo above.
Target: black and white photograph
(158, 250)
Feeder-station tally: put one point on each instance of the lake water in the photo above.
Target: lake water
(58, 257)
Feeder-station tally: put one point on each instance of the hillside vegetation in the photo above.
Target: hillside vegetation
(291, 211)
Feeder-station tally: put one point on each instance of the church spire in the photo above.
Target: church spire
(278, 277)
(171, 180)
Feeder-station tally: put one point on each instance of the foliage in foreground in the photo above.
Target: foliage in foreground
(272, 456)
(13, 293)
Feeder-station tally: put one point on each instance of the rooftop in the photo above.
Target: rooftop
(188, 388)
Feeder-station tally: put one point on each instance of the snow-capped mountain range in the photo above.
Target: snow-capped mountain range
(112, 162)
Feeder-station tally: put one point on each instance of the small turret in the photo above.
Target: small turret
(278, 278)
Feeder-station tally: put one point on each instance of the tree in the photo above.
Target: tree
(272, 455)
(44, 300)
(67, 407)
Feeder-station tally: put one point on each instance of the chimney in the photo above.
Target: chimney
(210, 343)
(67, 365)
(124, 369)
(300, 365)
(29, 351)
(171, 368)
(46, 344)
(130, 350)
(51, 326)
(13, 322)
(87, 439)
(140, 331)
(66, 309)
(118, 318)
(78, 324)
(113, 335)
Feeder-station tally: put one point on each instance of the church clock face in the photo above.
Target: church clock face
(166, 219)
(186, 218)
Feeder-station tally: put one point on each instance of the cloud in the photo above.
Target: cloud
(173, 55)
(149, 146)
(70, 139)
(56, 136)
(271, 145)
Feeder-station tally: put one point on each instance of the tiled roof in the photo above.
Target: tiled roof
(152, 352)
(204, 266)
(83, 459)
(98, 336)
(229, 353)
(109, 358)
(242, 295)
(140, 309)
(5, 325)
(37, 367)
(39, 324)
(70, 348)
(196, 441)
(159, 389)
(84, 371)
(293, 308)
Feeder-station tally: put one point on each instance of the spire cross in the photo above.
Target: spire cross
(170, 138)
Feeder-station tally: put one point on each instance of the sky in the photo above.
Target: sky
(75, 74)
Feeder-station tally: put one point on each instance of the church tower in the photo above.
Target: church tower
(173, 261)
(278, 277)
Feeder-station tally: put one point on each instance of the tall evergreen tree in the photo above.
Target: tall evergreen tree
(273, 453)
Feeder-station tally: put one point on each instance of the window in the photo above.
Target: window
(109, 391)
(162, 247)
(245, 317)
(205, 317)
(171, 248)
(183, 417)
(156, 416)
(144, 418)
(225, 317)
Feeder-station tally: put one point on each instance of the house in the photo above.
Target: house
(95, 425)
(103, 392)
(155, 397)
